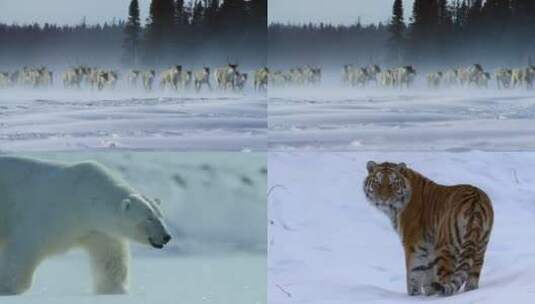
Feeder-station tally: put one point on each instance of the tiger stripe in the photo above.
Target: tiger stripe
(445, 230)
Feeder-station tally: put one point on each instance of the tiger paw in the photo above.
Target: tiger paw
(429, 290)
(471, 286)
(413, 291)
(442, 290)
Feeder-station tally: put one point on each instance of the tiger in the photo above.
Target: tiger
(444, 230)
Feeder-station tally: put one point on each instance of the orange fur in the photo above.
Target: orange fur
(444, 229)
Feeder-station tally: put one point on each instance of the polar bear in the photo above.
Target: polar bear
(47, 208)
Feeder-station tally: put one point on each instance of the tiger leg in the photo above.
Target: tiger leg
(477, 238)
(455, 251)
(418, 269)
(457, 259)
(474, 274)
(479, 258)
(429, 278)
(429, 272)
(445, 282)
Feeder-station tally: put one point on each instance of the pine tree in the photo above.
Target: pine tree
(396, 29)
(523, 27)
(132, 35)
(424, 29)
(258, 14)
(523, 12)
(494, 10)
(444, 13)
(211, 14)
(474, 15)
(233, 15)
(181, 33)
(444, 28)
(198, 15)
(459, 12)
(160, 28)
(181, 20)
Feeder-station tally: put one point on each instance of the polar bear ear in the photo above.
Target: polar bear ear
(125, 204)
(158, 201)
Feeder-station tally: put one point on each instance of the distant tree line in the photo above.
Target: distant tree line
(36, 44)
(439, 33)
(471, 31)
(192, 33)
(206, 31)
(324, 44)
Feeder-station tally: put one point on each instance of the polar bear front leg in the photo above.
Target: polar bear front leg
(109, 261)
(18, 262)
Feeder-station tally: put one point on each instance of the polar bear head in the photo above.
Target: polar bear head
(141, 220)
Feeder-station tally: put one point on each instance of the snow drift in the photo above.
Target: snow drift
(332, 118)
(127, 119)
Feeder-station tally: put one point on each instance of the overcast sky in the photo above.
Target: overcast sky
(67, 11)
(333, 11)
(99, 11)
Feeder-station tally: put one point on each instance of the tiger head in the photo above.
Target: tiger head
(386, 187)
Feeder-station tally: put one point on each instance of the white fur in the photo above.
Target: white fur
(48, 208)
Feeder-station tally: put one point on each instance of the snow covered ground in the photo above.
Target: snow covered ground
(59, 120)
(344, 119)
(328, 245)
(158, 278)
(215, 205)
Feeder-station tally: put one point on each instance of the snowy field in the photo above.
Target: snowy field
(347, 119)
(159, 278)
(215, 205)
(328, 245)
(59, 120)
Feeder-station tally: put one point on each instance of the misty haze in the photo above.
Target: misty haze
(438, 75)
(191, 76)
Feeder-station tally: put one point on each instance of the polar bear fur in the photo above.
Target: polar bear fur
(47, 208)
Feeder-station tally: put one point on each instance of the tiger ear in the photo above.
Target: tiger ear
(402, 166)
(371, 165)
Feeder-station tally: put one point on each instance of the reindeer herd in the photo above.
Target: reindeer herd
(476, 76)
(298, 76)
(230, 78)
(29, 77)
(373, 74)
(175, 78)
(470, 76)
(404, 77)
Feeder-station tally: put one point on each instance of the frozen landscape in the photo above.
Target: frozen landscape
(62, 120)
(326, 244)
(346, 119)
(215, 206)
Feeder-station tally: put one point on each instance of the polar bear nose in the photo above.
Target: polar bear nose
(166, 238)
